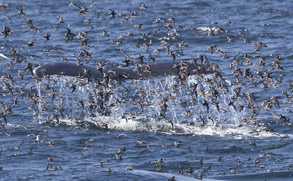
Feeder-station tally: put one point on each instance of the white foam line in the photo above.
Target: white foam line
(231, 130)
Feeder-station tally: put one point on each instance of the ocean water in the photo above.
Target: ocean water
(95, 132)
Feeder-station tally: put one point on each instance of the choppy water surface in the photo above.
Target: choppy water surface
(66, 128)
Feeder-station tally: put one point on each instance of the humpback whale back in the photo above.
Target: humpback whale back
(139, 72)
(67, 69)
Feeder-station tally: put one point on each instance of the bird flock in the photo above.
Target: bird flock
(158, 104)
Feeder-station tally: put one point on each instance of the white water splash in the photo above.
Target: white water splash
(153, 91)
(210, 30)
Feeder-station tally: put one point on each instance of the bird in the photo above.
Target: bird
(21, 12)
(138, 26)
(112, 13)
(5, 31)
(16, 148)
(31, 43)
(68, 35)
(143, 6)
(60, 20)
(83, 10)
(159, 168)
(129, 167)
(3, 56)
(47, 36)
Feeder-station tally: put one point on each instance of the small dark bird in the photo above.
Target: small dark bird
(22, 13)
(47, 36)
(112, 13)
(6, 31)
(82, 10)
(68, 35)
(31, 43)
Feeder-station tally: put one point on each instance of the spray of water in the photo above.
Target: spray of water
(201, 105)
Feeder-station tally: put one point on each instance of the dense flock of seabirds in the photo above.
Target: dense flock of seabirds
(248, 72)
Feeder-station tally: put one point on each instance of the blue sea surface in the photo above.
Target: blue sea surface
(52, 136)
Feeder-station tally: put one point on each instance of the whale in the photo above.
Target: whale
(144, 71)
(97, 73)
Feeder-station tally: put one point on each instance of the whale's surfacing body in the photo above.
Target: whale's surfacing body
(100, 100)
(123, 73)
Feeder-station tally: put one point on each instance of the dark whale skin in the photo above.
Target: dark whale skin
(144, 72)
